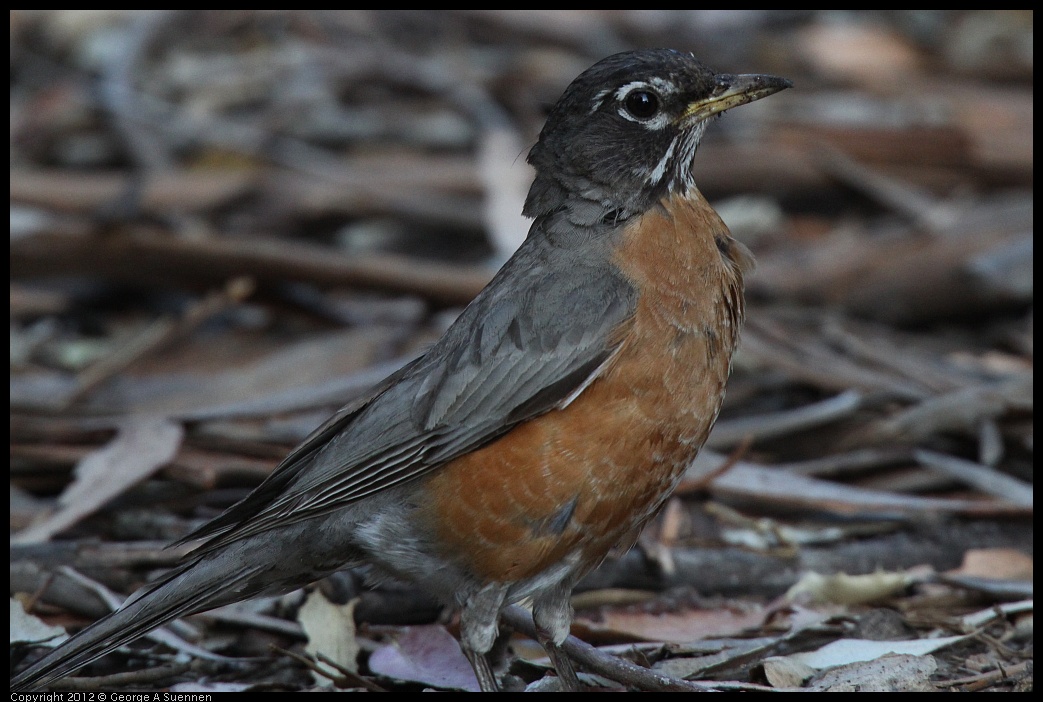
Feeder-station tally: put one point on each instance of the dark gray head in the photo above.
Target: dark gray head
(624, 133)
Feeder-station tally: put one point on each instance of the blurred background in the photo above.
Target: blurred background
(226, 224)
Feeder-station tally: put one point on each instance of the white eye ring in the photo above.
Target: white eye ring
(656, 87)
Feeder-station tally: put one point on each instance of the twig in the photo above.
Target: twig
(973, 683)
(805, 358)
(910, 200)
(346, 678)
(147, 257)
(959, 410)
(748, 481)
(134, 678)
(776, 424)
(694, 482)
(159, 334)
(988, 480)
(612, 667)
(355, 677)
(852, 462)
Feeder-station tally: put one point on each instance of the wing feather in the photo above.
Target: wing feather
(513, 354)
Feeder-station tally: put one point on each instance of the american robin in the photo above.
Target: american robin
(551, 420)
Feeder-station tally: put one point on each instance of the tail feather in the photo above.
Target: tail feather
(184, 591)
(270, 563)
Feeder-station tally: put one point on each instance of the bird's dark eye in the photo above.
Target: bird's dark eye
(642, 104)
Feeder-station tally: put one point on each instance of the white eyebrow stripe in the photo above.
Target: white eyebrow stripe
(595, 104)
(663, 85)
(630, 87)
(659, 85)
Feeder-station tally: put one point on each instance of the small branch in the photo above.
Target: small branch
(612, 667)
(988, 480)
(147, 257)
(775, 424)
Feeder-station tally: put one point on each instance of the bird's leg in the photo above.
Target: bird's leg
(552, 615)
(479, 625)
(482, 670)
(562, 665)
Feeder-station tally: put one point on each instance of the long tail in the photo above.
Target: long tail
(271, 563)
(189, 589)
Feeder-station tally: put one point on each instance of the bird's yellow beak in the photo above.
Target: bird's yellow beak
(732, 91)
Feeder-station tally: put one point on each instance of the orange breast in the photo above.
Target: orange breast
(579, 479)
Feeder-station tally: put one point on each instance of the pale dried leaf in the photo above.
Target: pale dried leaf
(428, 655)
(997, 563)
(783, 671)
(983, 617)
(330, 629)
(842, 588)
(26, 628)
(891, 673)
(846, 651)
(141, 447)
(675, 627)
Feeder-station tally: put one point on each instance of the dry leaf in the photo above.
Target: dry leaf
(26, 628)
(995, 563)
(141, 447)
(330, 629)
(891, 673)
(428, 655)
(842, 588)
(785, 672)
(673, 627)
(846, 651)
